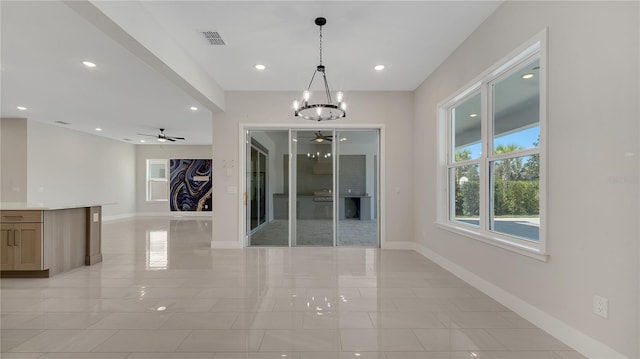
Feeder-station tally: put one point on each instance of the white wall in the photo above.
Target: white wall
(593, 166)
(66, 167)
(164, 151)
(394, 110)
(13, 157)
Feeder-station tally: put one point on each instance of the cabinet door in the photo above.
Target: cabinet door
(7, 252)
(28, 238)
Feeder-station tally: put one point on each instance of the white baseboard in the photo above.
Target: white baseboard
(399, 245)
(174, 214)
(225, 244)
(582, 343)
(118, 217)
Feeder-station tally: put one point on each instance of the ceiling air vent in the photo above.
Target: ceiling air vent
(213, 37)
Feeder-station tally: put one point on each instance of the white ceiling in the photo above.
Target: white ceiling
(43, 44)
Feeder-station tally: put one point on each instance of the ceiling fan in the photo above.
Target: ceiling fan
(321, 138)
(162, 137)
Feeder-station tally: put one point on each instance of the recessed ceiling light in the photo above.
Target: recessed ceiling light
(88, 64)
(98, 129)
(142, 141)
(343, 139)
(193, 108)
(527, 76)
(260, 67)
(473, 115)
(21, 108)
(379, 67)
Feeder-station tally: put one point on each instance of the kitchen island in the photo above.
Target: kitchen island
(41, 241)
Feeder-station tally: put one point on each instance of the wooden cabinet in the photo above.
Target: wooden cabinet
(42, 243)
(21, 241)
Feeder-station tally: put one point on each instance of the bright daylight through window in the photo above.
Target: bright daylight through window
(157, 182)
(493, 174)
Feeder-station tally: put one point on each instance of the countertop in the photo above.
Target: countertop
(22, 206)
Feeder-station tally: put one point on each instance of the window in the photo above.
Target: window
(157, 182)
(493, 155)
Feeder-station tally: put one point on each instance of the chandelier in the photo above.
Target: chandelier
(320, 111)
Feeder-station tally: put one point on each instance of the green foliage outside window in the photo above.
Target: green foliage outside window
(516, 185)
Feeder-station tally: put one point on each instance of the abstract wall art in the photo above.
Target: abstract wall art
(190, 185)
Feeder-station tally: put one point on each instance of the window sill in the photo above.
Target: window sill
(495, 241)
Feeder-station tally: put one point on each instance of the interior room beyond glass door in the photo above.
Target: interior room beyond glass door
(357, 187)
(267, 198)
(313, 169)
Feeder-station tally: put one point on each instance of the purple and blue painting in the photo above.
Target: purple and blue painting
(191, 188)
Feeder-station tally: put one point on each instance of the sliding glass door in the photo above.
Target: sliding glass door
(357, 187)
(266, 196)
(312, 187)
(314, 182)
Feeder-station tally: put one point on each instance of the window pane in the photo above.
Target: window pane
(465, 183)
(157, 170)
(158, 191)
(466, 129)
(516, 202)
(516, 110)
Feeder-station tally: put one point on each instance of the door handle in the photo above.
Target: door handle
(16, 240)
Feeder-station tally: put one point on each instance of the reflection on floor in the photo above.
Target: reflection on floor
(162, 292)
(317, 232)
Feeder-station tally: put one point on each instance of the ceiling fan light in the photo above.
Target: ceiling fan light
(160, 139)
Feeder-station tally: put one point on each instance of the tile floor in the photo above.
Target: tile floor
(162, 292)
(317, 232)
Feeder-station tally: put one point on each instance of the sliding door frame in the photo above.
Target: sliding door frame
(243, 132)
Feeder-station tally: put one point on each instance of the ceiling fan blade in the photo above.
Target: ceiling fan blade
(170, 139)
(177, 138)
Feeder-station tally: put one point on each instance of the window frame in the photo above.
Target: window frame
(534, 48)
(150, 180)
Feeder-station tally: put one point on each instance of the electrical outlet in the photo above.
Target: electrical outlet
(601, 306)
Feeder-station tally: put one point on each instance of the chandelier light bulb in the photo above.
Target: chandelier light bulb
(296, 105)
(340, 95)
(319, 111)
(343, 106)
(306, 96)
